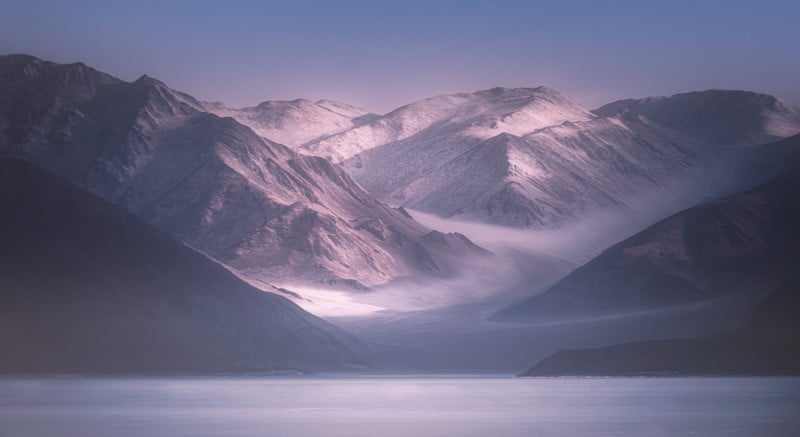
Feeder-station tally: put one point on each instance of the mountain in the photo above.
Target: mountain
(534, 158)
(462, 155)
(716, 116)
(87, 287)
(271, 214)
(743, 243)
(443, 122)
(296, 122)
(768, 345)
(543, 179)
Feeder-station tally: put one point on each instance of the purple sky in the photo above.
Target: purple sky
(382, 54)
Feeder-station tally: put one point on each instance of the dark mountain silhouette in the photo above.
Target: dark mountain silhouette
(87, 287)
(768, 345)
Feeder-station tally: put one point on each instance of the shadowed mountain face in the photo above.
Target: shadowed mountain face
(250, 203)
(768, 345)
(745, 243)
(716, 116)
(776, 316)
(87, 287)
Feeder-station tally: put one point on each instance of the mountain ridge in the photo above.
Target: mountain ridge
(607, 158)
(294, 123)
(255, 205)
(717, 249)
(719, 116)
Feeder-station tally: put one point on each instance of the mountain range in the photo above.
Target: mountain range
(301, 199)
(534, 158)
(297, 122)
(253, 204)
(741, 244)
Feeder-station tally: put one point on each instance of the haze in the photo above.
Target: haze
(380, 55)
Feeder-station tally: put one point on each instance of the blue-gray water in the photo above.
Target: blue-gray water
(402, 406)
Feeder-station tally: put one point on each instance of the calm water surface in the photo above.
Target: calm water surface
(399, 406)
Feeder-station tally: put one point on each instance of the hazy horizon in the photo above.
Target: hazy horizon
(383, 55)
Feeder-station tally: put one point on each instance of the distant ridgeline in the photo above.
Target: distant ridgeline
(768, 345)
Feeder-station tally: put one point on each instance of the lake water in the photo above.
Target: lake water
(399, 406)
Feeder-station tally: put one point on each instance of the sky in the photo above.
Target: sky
(382, 54)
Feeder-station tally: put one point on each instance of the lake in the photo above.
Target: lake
(398, 406)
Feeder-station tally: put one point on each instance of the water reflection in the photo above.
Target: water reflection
(407, 406)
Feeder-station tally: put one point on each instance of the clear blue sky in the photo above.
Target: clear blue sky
(381, 54)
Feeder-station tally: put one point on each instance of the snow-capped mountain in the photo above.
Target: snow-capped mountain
(414, 155)
(296, 122)
(547, 177)
(716, 116)
(744, 243)
(438, 127)
(87, 287)
(255, 205)
(535, 158)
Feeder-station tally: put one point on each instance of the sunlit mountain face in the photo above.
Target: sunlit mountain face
(211, 182)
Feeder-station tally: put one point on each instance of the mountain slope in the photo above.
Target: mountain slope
(446, 121)
(296, 122)
(768, 345)
(255, 205)
(743, 243)
(548, 177)
(87, 287)
(534, 158)
(716, 116)
(403, 156)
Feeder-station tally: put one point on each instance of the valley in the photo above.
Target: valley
(468, 232)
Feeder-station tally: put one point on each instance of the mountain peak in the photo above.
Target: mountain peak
(293, 122)
(520, 92)
(146, 80)
(18, 58)
(716, 116)
(453, 118)
(713, 96)
(269, 104)
(21, 67)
